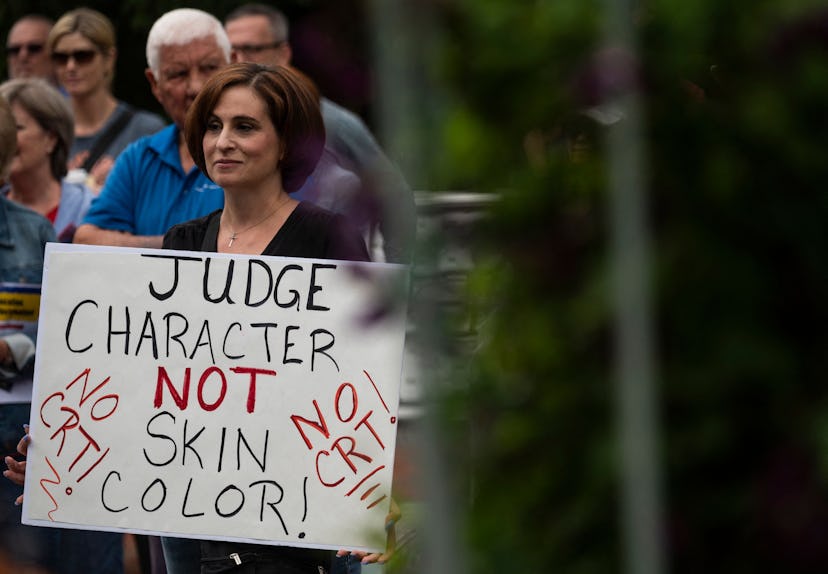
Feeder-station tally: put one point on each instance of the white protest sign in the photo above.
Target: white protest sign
(210, 396)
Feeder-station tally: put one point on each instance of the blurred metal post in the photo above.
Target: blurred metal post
(402, 39)
(641, 505)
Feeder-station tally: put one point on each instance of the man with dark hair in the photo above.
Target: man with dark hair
(260, 33)
(26, 54)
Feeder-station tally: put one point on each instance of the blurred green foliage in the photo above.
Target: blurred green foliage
(734, 96)
(738, 211)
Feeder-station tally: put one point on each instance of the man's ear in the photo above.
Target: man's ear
(153, 83)
(285, 54)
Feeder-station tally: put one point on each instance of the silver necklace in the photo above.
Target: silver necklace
(234, 234)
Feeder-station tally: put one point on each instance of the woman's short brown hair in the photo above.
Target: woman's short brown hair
(293, 108)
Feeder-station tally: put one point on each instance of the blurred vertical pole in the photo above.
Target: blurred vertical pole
(403, 38)
(402, 41)
(641, 505)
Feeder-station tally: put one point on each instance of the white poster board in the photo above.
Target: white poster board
(209, 396)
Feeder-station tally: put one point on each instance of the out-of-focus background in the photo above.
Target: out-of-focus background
(619, 310)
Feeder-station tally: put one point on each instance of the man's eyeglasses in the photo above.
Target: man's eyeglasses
(81, 57)
(256, 48)
(15, 49)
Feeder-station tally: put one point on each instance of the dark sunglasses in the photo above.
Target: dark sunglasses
(81, 57)
(15, 49)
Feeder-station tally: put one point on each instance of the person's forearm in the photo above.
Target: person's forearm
(93, 235)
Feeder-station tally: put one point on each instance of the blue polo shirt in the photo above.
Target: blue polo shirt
(147, 191)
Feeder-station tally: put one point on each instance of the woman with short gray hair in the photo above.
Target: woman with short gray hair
(44, 136)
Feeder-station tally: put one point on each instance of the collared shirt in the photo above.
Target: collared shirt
(75, 199)
(147, 191)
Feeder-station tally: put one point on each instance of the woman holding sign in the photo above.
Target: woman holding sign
(258, 133)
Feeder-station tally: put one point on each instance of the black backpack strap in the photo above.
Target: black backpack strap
(107, 137)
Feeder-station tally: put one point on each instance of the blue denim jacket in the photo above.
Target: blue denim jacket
(23, 237)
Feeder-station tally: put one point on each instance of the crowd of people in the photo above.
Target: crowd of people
(86, 167)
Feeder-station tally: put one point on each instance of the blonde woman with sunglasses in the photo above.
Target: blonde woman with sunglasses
(83, 51)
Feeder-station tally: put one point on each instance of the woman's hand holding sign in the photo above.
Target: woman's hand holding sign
(17, 468)
(391, 520)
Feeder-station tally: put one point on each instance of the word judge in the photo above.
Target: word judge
(260, 286)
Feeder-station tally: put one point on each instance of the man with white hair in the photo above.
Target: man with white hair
(154, 183)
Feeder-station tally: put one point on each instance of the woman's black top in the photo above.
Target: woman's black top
(309, 231)
(312, 232)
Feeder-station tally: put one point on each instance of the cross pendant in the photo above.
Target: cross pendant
(232, 239)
